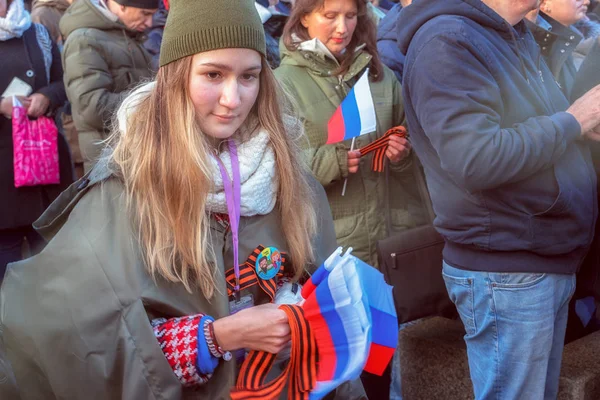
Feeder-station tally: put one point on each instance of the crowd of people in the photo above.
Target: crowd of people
(193, 136)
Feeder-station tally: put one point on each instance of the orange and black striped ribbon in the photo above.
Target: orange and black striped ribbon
(380, 146)
(300, 373)
(248, 277)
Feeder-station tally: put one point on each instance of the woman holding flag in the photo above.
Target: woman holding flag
(327, 47)
(151, 282)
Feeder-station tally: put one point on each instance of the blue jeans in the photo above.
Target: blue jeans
(515, 327)
(396, 383)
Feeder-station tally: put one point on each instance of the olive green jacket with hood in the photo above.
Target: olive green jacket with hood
(76, 317)
(360, 217)
(102, 60)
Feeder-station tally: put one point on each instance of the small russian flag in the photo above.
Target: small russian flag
(351, 310)
(355, 116)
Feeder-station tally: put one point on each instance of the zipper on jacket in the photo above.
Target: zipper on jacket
(341, 86)
(129, 49)
(539, 66)
(518, 51)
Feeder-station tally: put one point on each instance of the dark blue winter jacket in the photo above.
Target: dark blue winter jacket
(513, 187)
(386, 4)
(386, 42)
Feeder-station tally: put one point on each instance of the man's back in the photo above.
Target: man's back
(386, 41)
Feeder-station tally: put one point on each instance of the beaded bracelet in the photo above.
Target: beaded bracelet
(211, 341)
(206, 363)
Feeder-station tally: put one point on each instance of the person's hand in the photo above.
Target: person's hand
(586, 111)
(25, 102)
(353, 161)
(38, 105)
(6, 106)
(263, 328)
(594, 134)
(398, 149)
(273, 2)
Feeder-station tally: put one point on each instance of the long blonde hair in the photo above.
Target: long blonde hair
(164, 162)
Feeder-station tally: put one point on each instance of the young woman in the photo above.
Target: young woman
(202, 175)
(327, 46)
(29, 59)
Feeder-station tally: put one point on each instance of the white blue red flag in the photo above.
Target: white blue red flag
(355, 116)
(351, 311)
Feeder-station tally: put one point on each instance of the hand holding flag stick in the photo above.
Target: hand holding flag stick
(354, 117)
(346, 180)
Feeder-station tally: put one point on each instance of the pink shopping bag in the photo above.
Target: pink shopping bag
(35, 149)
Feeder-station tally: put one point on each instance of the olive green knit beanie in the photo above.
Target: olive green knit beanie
(196, 26)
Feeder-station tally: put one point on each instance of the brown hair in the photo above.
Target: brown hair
(164, 161)
(365, 33)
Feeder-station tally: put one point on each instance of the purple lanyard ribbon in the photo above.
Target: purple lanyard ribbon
(233, 195)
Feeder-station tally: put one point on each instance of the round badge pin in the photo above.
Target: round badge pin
(268, 263)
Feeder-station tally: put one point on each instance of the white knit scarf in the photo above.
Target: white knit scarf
(259, 180)
(16, 22)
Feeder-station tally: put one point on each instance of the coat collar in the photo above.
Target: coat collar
(314, 55)
(558, 38)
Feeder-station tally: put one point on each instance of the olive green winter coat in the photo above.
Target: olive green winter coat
(76, 317)
(360, 217)
(102, 60)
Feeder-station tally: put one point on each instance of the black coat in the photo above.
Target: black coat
(23, 58)
(557, 46)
